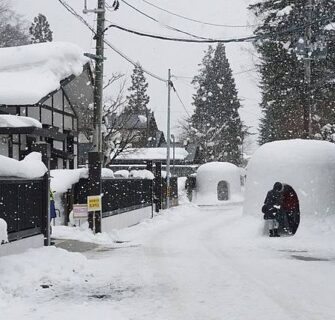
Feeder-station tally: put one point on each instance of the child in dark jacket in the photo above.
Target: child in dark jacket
(271, 208)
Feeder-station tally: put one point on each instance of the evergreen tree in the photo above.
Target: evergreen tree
(138, 98)
(40, 30)
(215, 124)
(285, 95)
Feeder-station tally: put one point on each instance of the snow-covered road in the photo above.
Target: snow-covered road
(189, 263)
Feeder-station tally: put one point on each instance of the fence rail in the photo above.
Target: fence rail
(24, 206)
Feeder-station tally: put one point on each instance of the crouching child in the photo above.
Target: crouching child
(271, 208)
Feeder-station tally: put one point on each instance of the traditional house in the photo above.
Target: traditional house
(51, 83)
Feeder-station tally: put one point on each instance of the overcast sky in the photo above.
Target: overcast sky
(158, 56)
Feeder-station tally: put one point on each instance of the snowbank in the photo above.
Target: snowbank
(10, 121)
(141, 174)
(151, 154)
(63, 179)
(306, 165)
(107, 173)
(208, 177)
(83, 234)
(3, 231)
(122, 173)
(29, 73)
(30, 167)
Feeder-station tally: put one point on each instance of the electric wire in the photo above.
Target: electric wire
(159, 37)
(119, 52)
(179, 98)
(195, 20)
(267, 35)
(163, 24)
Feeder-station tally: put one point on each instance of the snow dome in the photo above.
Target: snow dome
(308, 166)
(217, 183)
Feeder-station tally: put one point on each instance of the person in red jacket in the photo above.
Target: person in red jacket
(290, 209)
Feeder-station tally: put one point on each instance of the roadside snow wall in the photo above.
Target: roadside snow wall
(208, 177)
(306, 165)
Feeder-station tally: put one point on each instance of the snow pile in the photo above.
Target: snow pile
(29, 73)
(182, 192)
(122, 173)
(208, 177)
(151, 154)
(3, 231)
(83, 234)
(330, 27)
(284, 12)
(30, 167)
(141, 174)
(107, 173)
(10, 121)
(306, 165)
(63, 179)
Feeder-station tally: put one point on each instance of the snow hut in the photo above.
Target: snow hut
(218, 183)
(308, 166)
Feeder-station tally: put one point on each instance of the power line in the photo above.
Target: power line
(119, 52)
(195, 20)
(179, 98)
(148, 35)
(163, 24)
(267, 35)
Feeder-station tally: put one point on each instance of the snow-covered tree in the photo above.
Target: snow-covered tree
(138, 98)
(40, 30)
(282, 52)
(216, 125)
(12, 28)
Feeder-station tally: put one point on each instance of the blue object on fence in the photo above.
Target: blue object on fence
(52, 206)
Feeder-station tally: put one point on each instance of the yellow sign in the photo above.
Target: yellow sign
(93, 203)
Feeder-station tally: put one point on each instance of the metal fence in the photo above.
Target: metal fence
(119, 194)
(24, 206)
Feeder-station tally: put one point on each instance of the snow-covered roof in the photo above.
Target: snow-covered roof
(29, 73)
(208, 177)
(151, 154)
(308, 166)
(11, 121)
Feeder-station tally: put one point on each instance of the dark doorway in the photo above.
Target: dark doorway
(223, 191)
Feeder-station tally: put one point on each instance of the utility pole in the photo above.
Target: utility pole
(168, 192)
(99, 72)
(308, 73)
(95, 157)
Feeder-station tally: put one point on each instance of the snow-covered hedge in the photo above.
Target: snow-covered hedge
(30, 167)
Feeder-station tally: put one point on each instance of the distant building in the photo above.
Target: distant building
(52, 83)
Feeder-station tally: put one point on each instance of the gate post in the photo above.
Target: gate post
(95, 187)
(158, 186)
(45, 149)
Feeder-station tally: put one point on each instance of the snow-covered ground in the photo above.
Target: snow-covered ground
(188, 263)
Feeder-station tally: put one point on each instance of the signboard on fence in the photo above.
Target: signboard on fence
(94, 203)
(80, 211)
